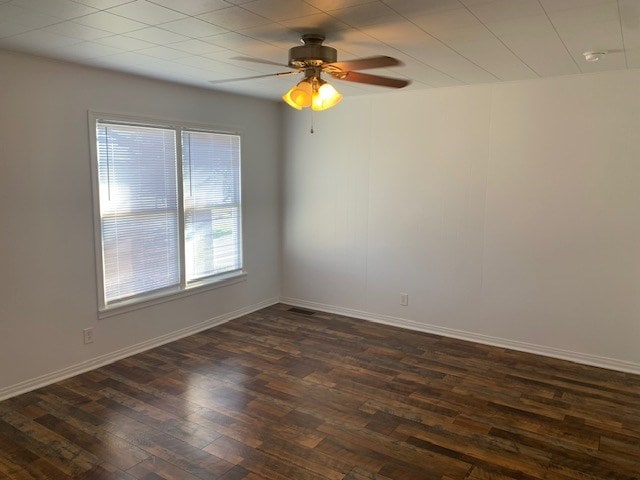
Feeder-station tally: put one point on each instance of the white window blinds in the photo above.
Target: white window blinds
(138, 209)
(156, 237)
(211, 179)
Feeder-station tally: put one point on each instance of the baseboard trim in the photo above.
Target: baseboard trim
(577, 357)
(93, 363)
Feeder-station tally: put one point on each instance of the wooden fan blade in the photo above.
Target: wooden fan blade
(226, 80)
(379, 61)
(258, 60)
(371, 79)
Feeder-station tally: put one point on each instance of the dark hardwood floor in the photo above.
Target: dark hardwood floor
(285, 395)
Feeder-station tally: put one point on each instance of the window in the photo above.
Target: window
(169, 209)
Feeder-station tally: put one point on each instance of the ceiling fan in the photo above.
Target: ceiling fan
(312, 59)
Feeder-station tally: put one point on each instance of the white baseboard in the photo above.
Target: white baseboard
(108, 358)
(577, 357)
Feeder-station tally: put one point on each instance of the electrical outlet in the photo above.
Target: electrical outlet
(88, 335)
(404, 299)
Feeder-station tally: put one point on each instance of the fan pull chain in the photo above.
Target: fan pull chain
(311, 131)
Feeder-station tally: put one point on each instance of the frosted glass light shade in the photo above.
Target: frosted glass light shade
(325, 96)
(300, 96)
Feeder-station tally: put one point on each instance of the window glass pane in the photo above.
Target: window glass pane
(138, 209)
(211, 175)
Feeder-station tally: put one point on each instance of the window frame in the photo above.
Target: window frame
(183, 289)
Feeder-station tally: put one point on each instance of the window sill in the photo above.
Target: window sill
(148, 301)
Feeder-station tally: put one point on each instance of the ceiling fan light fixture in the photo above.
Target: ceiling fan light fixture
(312, 92)
(324, 96)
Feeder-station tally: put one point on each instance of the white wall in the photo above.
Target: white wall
(509, 213)
(48, 275)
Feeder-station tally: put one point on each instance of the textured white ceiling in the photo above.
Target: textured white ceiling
(441, 42)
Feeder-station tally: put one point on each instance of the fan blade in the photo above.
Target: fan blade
(371, 79)
(281, 74)
(258, 60)
(366, 63)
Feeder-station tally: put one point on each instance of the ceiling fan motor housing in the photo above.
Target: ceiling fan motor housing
(312, 53)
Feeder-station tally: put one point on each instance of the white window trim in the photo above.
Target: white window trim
(184, 289)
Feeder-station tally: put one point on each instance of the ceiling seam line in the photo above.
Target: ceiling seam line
(444, 44)
(560, 37)
(501, 41)
(624, 47)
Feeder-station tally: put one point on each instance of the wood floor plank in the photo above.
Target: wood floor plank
(293, 394)
(47, 444)
(17, 462)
